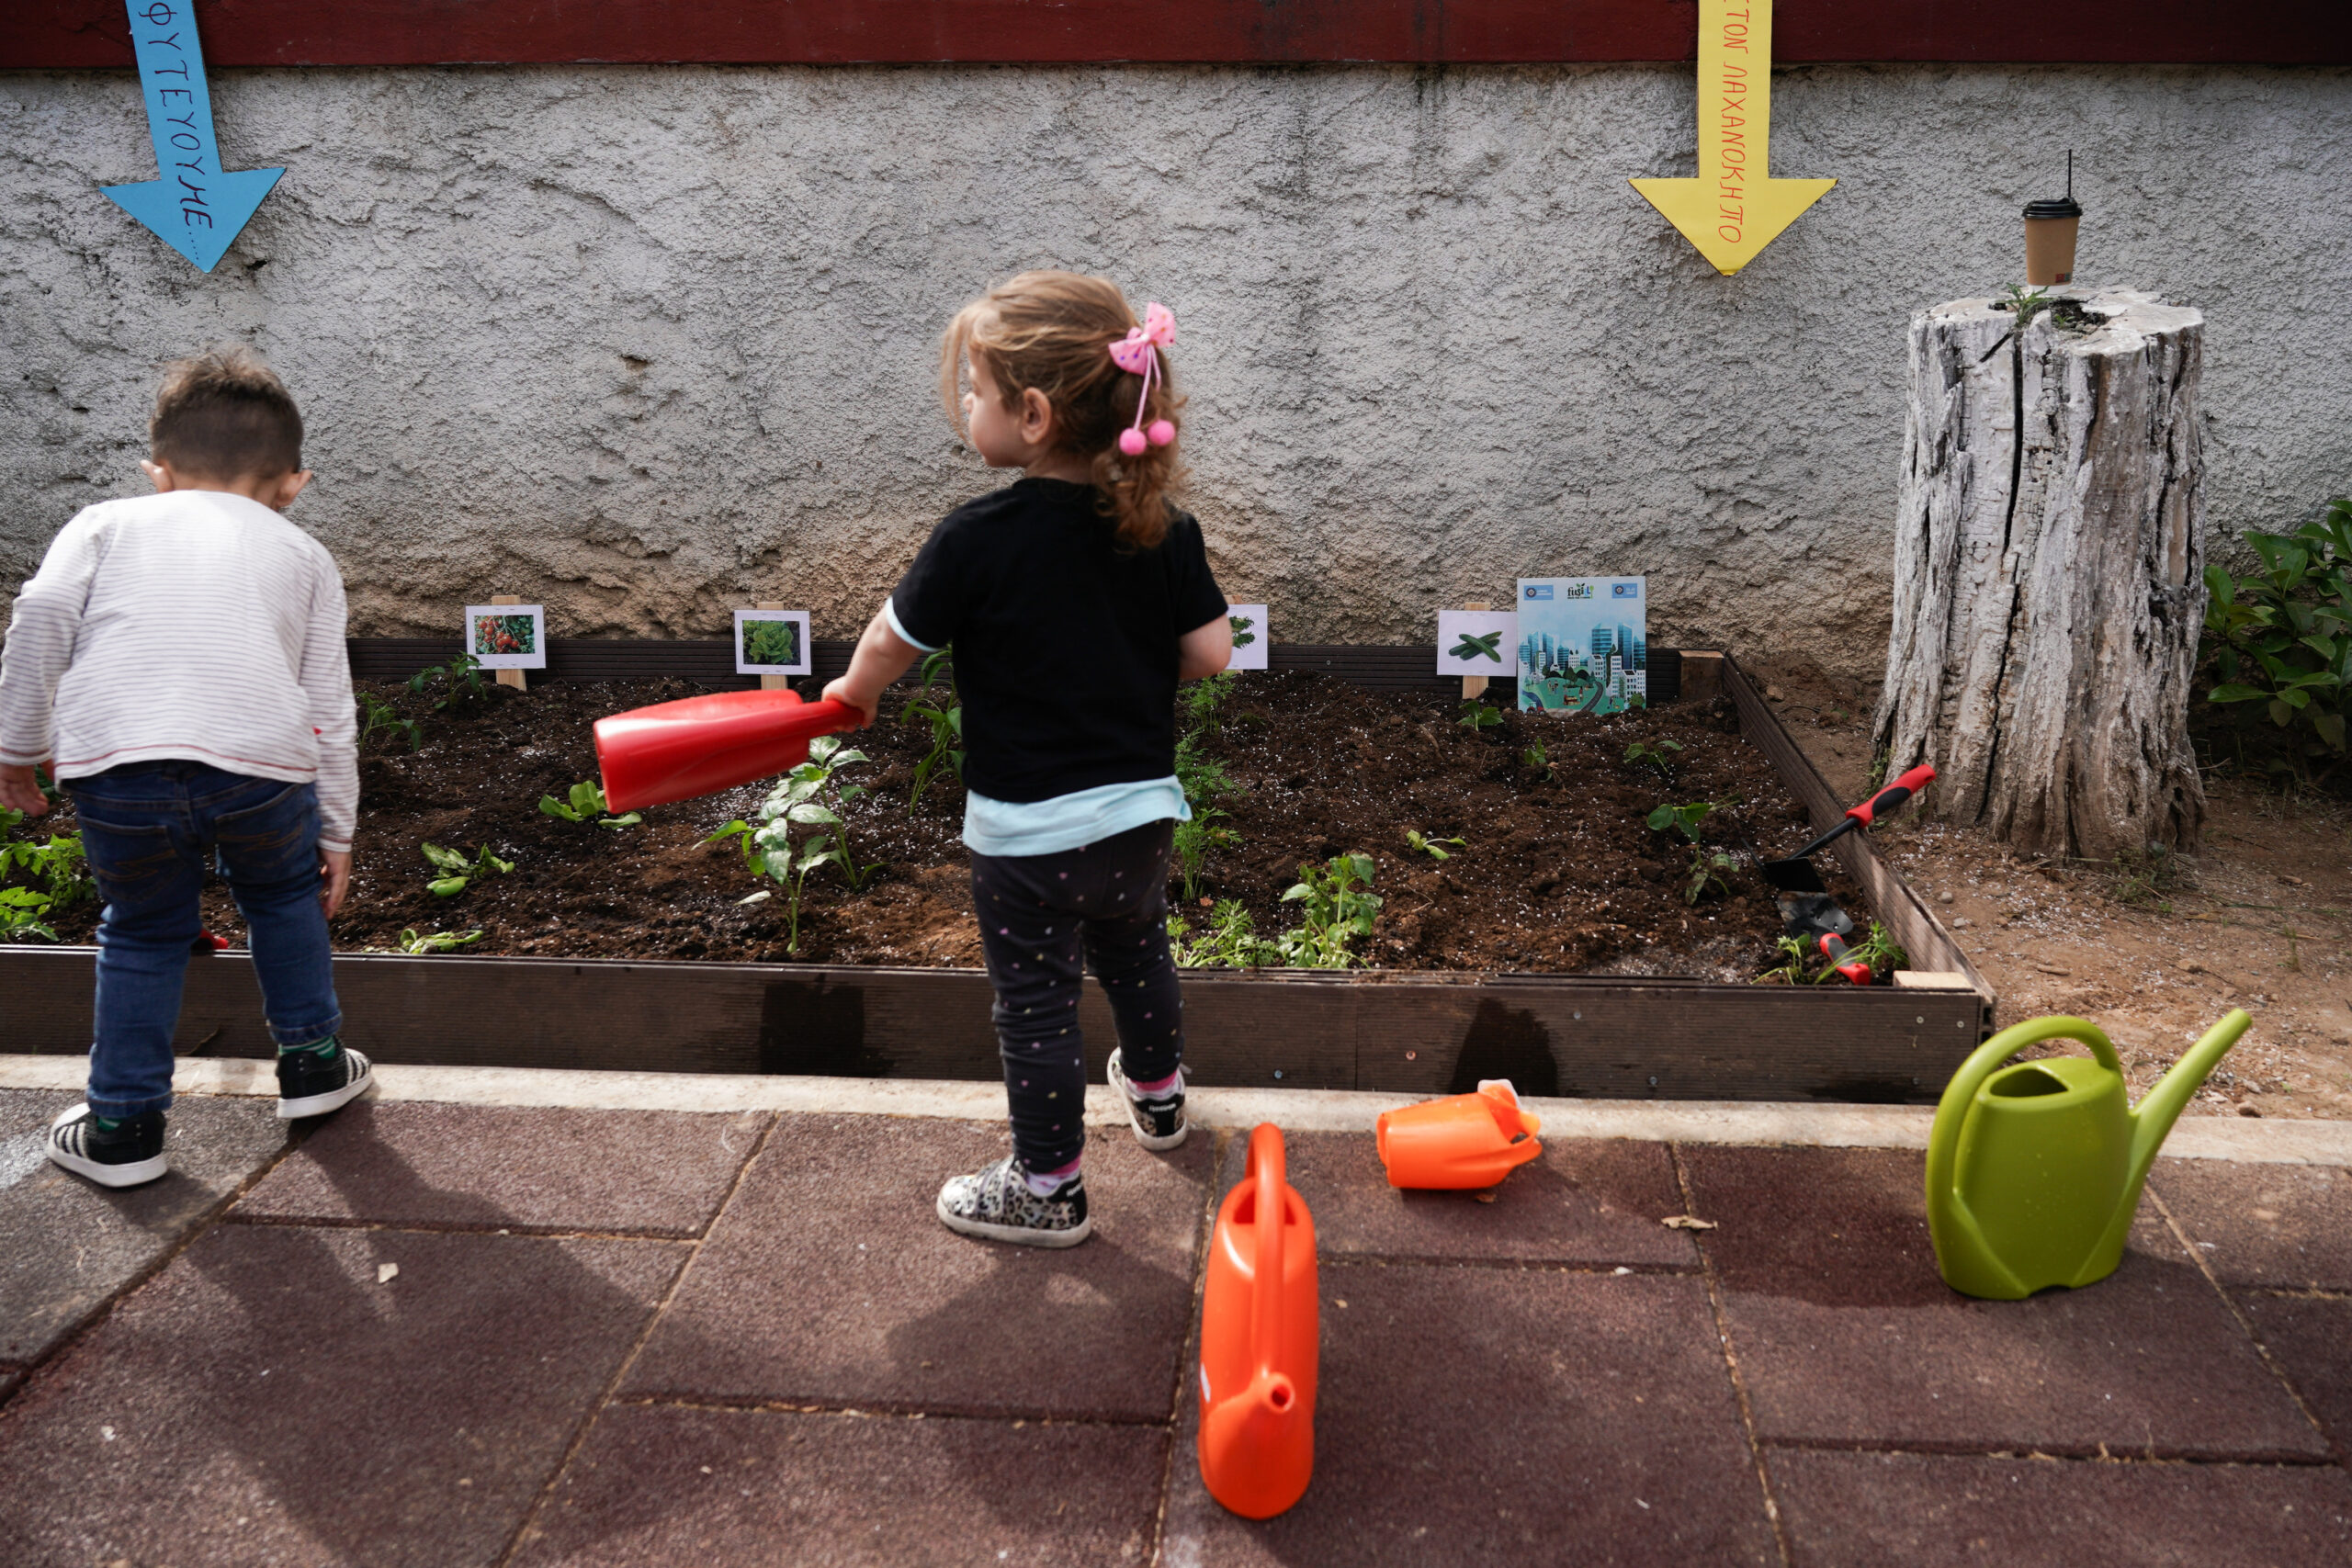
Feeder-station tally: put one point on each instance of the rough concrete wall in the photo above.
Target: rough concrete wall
(652, 342)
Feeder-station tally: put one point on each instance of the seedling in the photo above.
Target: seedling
(1658, 755)
(435, 941)
(2027, 304)
(1430, 847)
(1684, 819)
(945, 719)
(1537, 758)
(587, 805)
(1707, 868)
(1337, 907)
(377, 716)
(799, 801)
(1205, 783)
(1486, 647)
(1478, 714)
(1230, 942)
(1803, 965)
(461, 872)
(461, 677)
(1195, 840)
(57, 871)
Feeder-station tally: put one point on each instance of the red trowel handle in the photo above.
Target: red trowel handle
(1893, 795)
(651, 756)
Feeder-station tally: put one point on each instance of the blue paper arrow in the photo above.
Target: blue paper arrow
(198, 208)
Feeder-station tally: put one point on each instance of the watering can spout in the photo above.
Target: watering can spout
(2152, 1118)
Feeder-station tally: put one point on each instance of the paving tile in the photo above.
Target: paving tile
(1846, 1333)
(830, 1279)
(2288, 1225)
(1852, 1510)
(68, 1246)
(1586, 1200)
(659, 1485)
(1499, 1416)
(266, 1399)
(2308, 1337)
(473, 1167)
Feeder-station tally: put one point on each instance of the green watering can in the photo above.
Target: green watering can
(2034, 1170)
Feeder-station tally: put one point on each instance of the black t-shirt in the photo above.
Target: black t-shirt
(1065, 639)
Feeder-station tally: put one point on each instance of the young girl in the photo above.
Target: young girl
(1076, 599)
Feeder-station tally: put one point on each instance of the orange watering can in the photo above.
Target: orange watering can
(651, 756)
(1464, 1140)
(1259, 1335)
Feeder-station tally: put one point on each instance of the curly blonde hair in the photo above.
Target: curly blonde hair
(1053, 331)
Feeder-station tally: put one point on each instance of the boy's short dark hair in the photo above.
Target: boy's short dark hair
(224, 414)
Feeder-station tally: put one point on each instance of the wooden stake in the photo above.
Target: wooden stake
(1474, 686)
(513, 677)
(773, 682)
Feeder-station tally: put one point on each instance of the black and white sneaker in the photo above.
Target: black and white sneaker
(1158, 1119)
(996, 1204)
(126, 1157)
(312, 1085)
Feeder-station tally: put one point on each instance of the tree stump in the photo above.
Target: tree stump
(2049, 568)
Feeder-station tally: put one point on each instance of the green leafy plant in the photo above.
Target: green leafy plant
(586, 804)
(1335, 907)
(1707, 869)
(459, 873)
(1486, 647)
(460, 681)
(2279, 643)
(377, 717)
(56, 870)
(1204, 782)
(1687, 820)
(1879, 950)
(1243, 635)
(21, 909)
(1803, 965)
(1430, 847)
(435, 941)
(1537, 758)
(1656, 754)
(1478, 714)
(946, 717)
(1231, 940)
(806, 798)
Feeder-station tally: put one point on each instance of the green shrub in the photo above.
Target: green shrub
(2278, 646)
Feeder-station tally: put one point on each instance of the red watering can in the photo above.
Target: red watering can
(651, 756)
(1259, 1341)
(1464, 1140)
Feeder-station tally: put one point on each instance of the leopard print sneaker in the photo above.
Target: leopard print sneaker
(996, 1204)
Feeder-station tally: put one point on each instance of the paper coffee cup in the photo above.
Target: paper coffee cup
(2050, 229)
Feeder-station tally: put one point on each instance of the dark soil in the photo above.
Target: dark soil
(1558, 872)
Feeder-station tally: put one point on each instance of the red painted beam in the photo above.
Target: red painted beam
(85, 33)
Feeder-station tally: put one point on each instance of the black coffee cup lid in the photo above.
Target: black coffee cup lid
(2054, 207)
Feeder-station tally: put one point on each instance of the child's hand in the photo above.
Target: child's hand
(334, 879)
(842, 691)
(20, 791)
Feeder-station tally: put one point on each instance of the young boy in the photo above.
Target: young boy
(178, 664)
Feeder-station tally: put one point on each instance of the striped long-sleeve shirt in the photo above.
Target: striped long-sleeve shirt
(197, 624)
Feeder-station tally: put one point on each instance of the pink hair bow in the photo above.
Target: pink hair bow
(1136, 353)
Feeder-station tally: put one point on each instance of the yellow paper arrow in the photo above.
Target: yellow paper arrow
(1735, 207)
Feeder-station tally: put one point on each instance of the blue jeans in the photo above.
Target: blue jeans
(150, 831)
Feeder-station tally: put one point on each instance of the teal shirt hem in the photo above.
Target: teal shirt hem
(1068, 822)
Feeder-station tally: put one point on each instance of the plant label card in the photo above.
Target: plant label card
(1583, 644)
(1477, 642)
(772, 642)
(1249, 639)
(507, 636)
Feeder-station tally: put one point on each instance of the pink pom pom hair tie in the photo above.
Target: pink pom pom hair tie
(1137, 354)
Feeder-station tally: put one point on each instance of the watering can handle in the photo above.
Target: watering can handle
(1267, 1168)
(1943, 1140)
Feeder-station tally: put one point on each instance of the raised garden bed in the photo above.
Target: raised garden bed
(1487, 963)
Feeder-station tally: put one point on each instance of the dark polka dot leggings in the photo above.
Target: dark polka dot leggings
(1044, 919)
